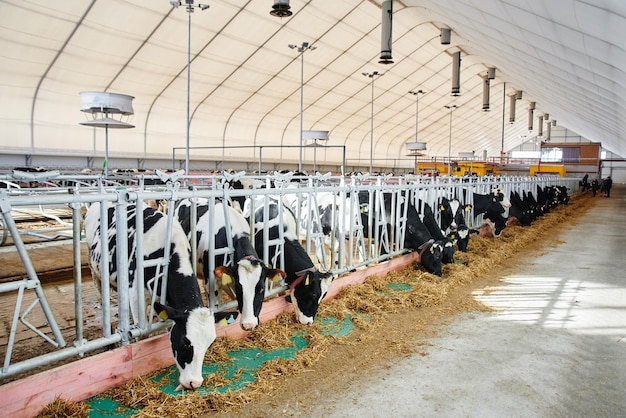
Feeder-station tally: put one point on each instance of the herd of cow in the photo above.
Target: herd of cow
(241, 265)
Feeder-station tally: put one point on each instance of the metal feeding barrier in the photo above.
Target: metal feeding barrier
(351, 244)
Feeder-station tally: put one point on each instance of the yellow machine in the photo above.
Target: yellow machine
(547, 170)
(475, 168)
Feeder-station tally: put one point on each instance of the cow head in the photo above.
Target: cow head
(431, 255)
(447, 251)
(461, 237)
(192, 334)
(307, 292)
(451, 213)
(498, 193)
(249, 278)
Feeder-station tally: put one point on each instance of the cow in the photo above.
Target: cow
(452, 222)
(328, 218)
(428, 219)
(194, 324)
(520, 210)
(247, 270)
(416, 238)
(492, 206)
(307, 285)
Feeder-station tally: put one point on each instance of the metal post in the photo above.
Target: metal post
(189, 11)
(417, 109)
(451, 108)
(302, 49)
(373, 76)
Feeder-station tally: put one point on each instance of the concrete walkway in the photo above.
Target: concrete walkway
(556, 347)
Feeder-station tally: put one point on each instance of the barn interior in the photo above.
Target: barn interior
(144, 104)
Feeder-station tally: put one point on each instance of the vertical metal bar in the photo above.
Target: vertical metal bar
(121, 242)
(78, 274)
(105, 282)
(139, 278)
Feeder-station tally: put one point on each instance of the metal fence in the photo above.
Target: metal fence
(350, 246)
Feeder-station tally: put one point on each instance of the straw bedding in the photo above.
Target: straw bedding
(367, 306)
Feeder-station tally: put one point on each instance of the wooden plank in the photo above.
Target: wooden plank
(76, 381)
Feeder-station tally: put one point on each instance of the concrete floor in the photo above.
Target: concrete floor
(556, 347)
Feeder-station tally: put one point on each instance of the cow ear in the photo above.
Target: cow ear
(167, 312)
(276, 275)
(223, 274)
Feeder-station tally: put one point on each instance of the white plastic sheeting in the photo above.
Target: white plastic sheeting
(568, 56)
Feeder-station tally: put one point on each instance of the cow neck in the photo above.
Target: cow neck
(422, 248)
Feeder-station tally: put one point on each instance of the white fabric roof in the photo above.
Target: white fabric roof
(568, 56)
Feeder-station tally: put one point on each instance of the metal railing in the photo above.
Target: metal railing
(350, 246)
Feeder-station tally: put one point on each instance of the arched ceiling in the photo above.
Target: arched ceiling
(568, 56)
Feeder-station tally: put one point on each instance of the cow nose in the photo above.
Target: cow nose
(306, 320)
(192, 384)
(248, 326)
(195, 384)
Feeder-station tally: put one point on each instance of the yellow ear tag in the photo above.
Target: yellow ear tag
(222, 322)
(163, 315)
(432, 250)
(306, 282)
(276, 278)
(226, 279)
(441, 208)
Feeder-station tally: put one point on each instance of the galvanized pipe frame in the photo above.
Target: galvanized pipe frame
(217, 189)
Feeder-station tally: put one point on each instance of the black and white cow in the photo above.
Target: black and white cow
(247, 270)
(417, 236)
(428, 219)
(307, 285)
(520, 210)
(452, 222)
(492, 206)
(194, 324)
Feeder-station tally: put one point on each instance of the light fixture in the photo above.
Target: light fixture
(515, 96)
(103, 105)
(305, 46)
(445, 36)
(486, 83)
(512, 108)
(491, 73)
(456, 73)
(189, 4)
(531, 109)
(281, 8)
(189, 10)
(373, 76)
(540, 126)
(450, 108)
(386, 38)
(315, 136)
